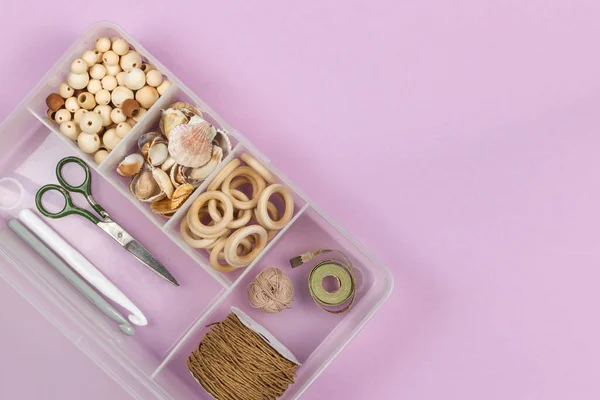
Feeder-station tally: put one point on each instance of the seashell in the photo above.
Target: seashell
(171, 118)
(158, 152)
(145, 141)
(191, 145)
(144, 187)
(168, 163)
(131, 165)
(168, 207)
(187, 109)
(176, 176)
(196, 120)
(164, 181)
(222, 140)
(196, 176)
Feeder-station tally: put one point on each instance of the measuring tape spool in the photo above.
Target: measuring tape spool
(342, 271)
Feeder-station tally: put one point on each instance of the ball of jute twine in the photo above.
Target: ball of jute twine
(234, 363)
(271, 291)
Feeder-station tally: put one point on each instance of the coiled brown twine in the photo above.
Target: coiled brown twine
(271, 291)
(234, 363)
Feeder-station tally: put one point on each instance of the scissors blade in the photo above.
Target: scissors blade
(136, 249)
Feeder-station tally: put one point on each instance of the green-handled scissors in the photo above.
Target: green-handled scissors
(105, 223)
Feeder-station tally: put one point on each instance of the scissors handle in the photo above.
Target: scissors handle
(69, 207)
(85, 188)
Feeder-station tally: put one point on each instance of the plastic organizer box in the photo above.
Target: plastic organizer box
(152, 364)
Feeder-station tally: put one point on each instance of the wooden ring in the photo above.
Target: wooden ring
(262, 215)
(245, 245)
(234, 241)
(244, 216)
(204, 213)
(274, 214)
(258, 167)
(217, 180)
(193, 220)
(193, 240)
(257, 182)
(214, 257)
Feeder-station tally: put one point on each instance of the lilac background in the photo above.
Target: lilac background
(465, 132)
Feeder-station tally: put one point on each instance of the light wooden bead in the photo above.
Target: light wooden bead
(147, 96)
(62, 115)
(70, 129)
(131, 121)
(78, 81)
(140, 115)
(120, 94)
(97, 71)
(110, 139)
(109, 82)
(100, 155)
(104, 111)
(154, 78)
(79, 66)
(94, 86)
(72, 105)
(103, 97)
(163, 87)
(110, 58)
(123, 129)
(114, 38)
(131, 60)
(65, 91)
(88, 142)
(79, 114)
(90, 57)
(112, 70)
(86, 100)
(102, 44)
(146, 67)
(120, 47)
(117, 116)
(91, 123)
(121, 78)
(135, 79)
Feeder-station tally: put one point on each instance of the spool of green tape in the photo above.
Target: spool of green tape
(342, 272)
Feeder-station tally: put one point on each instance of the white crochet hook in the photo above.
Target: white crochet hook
(81, 265)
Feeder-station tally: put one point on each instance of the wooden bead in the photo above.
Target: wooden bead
(94, 86)
(51, 114)
(88, 142)
(62, 115)
(120, 46)
(100, 155)
(123, 129)
(110, 139)
(110, 58)
(131, 108)
(163, 87)
(97, 71)
(154, 78)
(78, 81)
(109, 82)
(54, 101)
(72, 104)
(120, 94)
(114, 38)
(102, 97)
(79, 66)
(140, 115)
(91, 123)
(147, 96)
(78, 114)
(104, 112)
(146, 67)
(112, 70)
(135, 79)
(131, 60)
(86, 100)
(121, 78)
(90, 57)
(117, 116)
(131, 121)
(70, 129)
(65, 91)
(102, 44)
